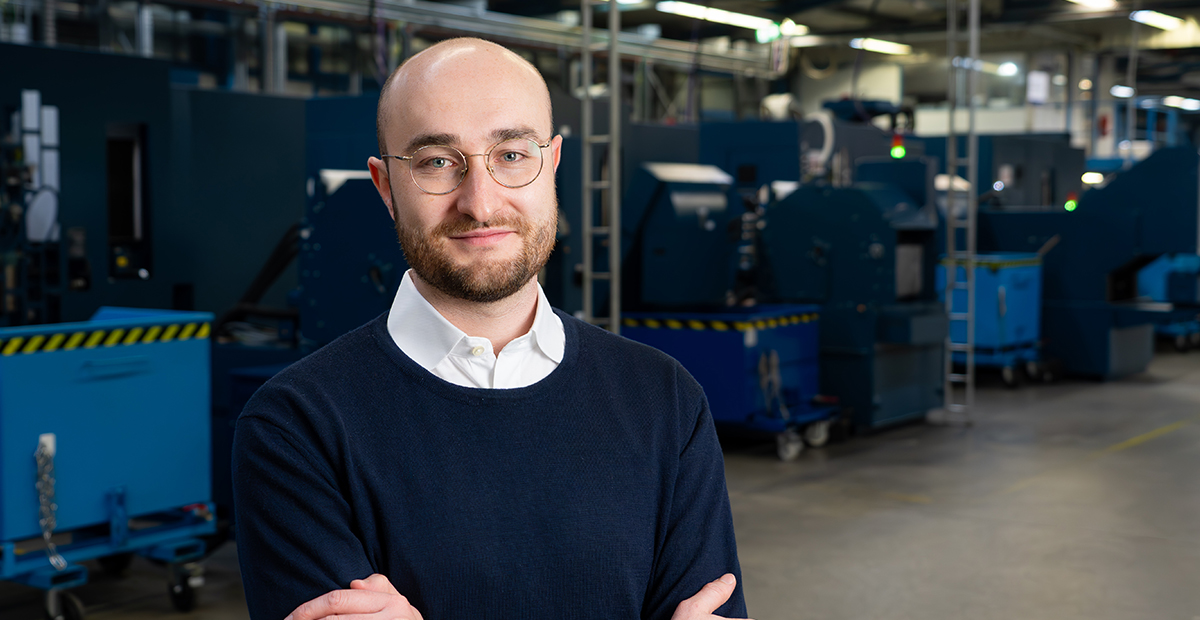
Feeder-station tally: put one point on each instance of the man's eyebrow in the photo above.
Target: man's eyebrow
(428, 140)
(500, 135)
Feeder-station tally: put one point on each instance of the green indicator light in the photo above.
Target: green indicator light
(898, 152)
(1071, 205)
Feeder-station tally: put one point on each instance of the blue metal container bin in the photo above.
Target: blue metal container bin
(758, 366)
(120, 405)
(1008, 305)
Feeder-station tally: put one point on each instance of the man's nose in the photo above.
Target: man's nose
(477, 195)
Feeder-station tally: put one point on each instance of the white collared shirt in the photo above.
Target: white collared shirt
(436, 345)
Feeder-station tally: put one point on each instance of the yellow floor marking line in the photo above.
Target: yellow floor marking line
(1113, 449)
(910, 499)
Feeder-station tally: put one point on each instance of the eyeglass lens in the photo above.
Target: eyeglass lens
(439, 169)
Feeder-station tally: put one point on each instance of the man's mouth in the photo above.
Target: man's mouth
(482, 236)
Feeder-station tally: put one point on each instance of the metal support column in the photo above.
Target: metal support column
(145, 30)
(959, 387)
(610, 188)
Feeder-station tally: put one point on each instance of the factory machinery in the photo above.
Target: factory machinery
(1095, 323)
(826, 221)
(1175, 279)
(104, 423)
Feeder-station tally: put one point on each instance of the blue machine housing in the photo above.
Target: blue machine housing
(1175, 279)
(682, 242)
(350, 259)
(866, 254)
(127, 397)
(1171, 278)
(758, 365)
(1093, 321)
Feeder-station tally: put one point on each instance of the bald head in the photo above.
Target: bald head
(465, 67)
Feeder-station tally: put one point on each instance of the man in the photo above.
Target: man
(474, 453)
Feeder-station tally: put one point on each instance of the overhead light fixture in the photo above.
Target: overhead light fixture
(1156, 19)
(880, 46)
(789, 28)
(1191, 105)
(1122, 92)
(765, 29)
(1093, 178)
(1097, 5)
(1085, 84)
(1007, 69)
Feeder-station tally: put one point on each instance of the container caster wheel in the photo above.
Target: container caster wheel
(1182, 343)
(63, 606)
(817, 434)
(116, 565)
(788, 445)
(1009, 375)
(183, 597)
(182, 586)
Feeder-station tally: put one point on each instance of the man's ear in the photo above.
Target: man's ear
(383, 183)
(556, 148)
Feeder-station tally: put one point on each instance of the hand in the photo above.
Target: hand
(707, 600)
(373, 597)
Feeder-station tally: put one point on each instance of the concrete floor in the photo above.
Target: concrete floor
(1064, 501)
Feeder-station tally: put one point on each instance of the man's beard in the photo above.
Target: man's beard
(487, 282)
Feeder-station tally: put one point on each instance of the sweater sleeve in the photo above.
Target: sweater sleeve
(294, 533)
(698, 544)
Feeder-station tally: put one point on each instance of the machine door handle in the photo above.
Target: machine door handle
(115, 367)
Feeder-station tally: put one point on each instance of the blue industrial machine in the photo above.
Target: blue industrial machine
(758, 366)
(104, 448)
(1008, 313)
(866, 254)
(1175, 279)
(858, 237)
(1020, 170)
(1093, 322)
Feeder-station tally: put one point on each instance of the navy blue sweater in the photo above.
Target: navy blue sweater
(598, 492)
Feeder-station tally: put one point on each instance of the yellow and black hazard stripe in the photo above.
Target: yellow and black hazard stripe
(722, 326)
(995, 265)
(92, 339)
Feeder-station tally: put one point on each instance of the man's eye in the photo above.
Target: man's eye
(437, 163)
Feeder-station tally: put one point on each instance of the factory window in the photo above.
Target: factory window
(128, 208)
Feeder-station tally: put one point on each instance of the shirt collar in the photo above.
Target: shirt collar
(426, 337)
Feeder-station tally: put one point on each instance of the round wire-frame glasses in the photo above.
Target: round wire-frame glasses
(439, 169)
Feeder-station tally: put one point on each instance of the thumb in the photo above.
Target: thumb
(711, 596)
(374, 583)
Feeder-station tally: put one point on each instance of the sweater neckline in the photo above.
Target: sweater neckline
(427, 380)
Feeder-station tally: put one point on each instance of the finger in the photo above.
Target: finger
(376, 583)
(710, 597)
(341, 603)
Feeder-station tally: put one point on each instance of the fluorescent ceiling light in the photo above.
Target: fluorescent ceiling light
(687, 9)
(1175, 101)
(881, 47)
(1191, 105)
(629, 1)
(1007, 69)
(1093, 178)
(789, 28)
(1096, 5)
(1123, 92)
(1156, 19)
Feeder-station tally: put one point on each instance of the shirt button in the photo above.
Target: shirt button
(477, 351)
